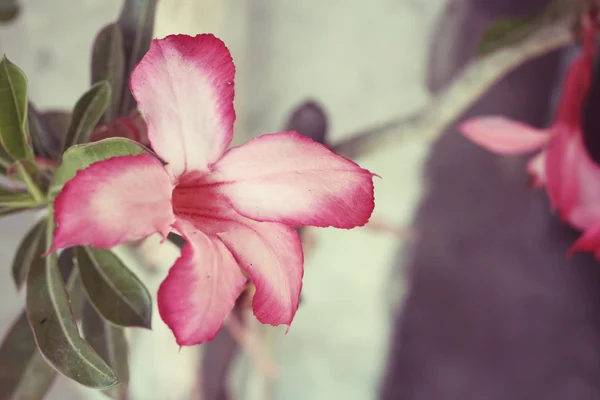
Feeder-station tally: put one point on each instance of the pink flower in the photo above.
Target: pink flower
(571, 177)
(236, 208)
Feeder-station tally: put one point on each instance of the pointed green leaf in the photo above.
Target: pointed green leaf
(5, 161)
(137, 24)
(13, 111)
(24, 374)
(110, 343)
(26, 171)
(54, 327)
(16, 199)
(116, 293)
(66, 265)
(45, 142)
(108, 64)
(83, 155)
(87, 113)
(27, 253)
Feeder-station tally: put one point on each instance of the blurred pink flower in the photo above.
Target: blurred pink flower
(131, 127)
(571, 177)
(236, 208)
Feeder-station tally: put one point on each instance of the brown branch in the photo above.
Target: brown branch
(476, 78)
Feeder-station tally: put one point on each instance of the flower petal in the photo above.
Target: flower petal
(502, 135)
(269, 252)
(536, 167)
(588, 242)
(184, 86)
(563, 157)
(290, 179)
(201, 288)
(114, 201)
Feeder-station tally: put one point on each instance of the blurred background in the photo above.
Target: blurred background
(466, 293)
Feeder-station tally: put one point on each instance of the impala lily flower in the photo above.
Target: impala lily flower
(564, 166)
(236, 208)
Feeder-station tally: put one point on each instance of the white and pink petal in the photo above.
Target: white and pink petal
(290, 179)
(201, 288)
(184, 87)
(114, 201)
(270, 253)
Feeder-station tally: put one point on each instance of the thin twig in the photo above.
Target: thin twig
(462, 92)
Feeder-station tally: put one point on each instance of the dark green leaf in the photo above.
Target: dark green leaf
(66, 265)
(54, 327)
(9, 9)
(108, 64)
(110, 343)
(24, 374)
(87, 113)
(26, 171)
(45, 142)
(82, 156)
(12, 199)
(13, 111)
(116, 293)
(137, 24)
(27, 253)
(5, 161)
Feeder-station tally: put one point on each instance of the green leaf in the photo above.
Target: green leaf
(24, 374)
(27, 253)
(25, 171)
(87, 113)
(9, 10)
(54, 327)
(137, 24)
(5, 161)
(82, 156)
(16, 199)
(108, 64)
(45, 142)
(116, 293)
(66, 265)
(13, 111)
(110, 343)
